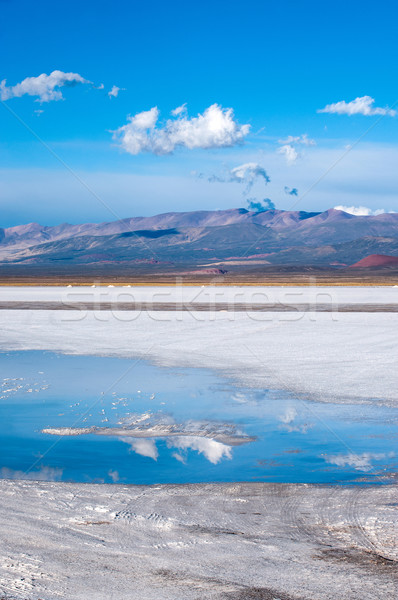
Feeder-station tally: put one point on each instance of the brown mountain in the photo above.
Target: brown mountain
(331, 238)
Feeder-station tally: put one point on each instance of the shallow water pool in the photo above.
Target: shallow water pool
(128, 421)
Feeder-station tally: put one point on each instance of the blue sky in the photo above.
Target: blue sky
(275, 64)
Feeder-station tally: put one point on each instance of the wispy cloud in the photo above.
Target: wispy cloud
(289, 145)
(290, 191)
(246, 174)
(360, 106)
(45, 87)
(114, 92)
(302, 139)
(179, 110)
(215, 128)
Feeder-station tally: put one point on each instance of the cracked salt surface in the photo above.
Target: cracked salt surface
(226, 541)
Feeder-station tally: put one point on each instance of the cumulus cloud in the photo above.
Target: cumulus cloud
(360, 462)
(289, 152)
(291, 191)
(288, 148)
(360, 106)
(215, 128)
(144, 447)
(214, 451)
(360, 211)
(260, 205)
(45, 87)
(43, 474)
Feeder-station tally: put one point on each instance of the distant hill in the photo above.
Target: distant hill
(377, 260)
(207, 238)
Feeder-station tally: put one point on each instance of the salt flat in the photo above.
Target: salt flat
(239, 541)
(344, 357)
(204, 294)
(223, 541)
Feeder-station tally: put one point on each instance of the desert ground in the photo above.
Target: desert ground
(158, 275)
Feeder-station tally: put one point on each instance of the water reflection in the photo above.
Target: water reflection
(212, 450)
(98, 419)
(360, 462)
(143, 447)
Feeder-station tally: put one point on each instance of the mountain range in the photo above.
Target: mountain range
(208, 238)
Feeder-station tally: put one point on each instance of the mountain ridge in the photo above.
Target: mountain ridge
(332, 237)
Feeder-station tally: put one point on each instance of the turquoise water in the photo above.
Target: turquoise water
(295, 440)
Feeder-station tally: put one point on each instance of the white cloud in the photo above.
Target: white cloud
(143, 446)
(114, 92)
(366, 177)
(45, 87)
(360, 211)
(247, 174)
(179, 110)
(215, 128)
(288, 149)
(360, 106)
(289, 152)
(298, 139)
(214, 451)
(360, 462)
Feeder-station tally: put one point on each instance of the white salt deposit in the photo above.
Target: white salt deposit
(344, 357)
(205, 294)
